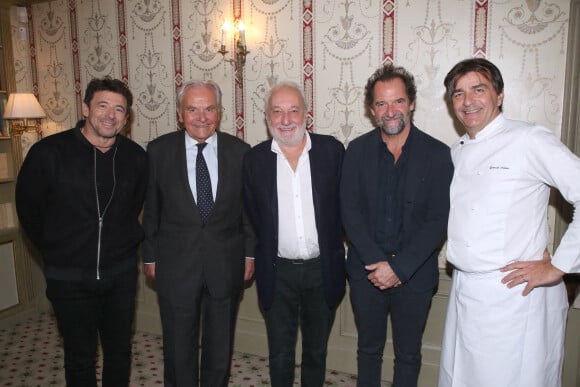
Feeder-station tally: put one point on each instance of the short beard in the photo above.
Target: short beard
(393, 131)
(292, 141)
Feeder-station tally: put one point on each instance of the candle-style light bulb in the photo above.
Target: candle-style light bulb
(242, 30)
(225, 28)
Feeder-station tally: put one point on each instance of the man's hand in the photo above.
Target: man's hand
(248, 269)
(535, 273)
(382, 275)
(149, 270)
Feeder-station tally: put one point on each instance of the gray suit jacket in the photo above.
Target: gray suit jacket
(184, 250)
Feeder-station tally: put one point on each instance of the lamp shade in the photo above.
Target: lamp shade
(23, 106)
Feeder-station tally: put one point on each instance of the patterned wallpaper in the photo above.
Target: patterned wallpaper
(330, 47)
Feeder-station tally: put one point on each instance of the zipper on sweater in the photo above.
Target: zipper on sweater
(99, 247)
(101, 216)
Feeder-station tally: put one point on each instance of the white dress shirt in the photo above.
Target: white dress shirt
(297, 234)
(499, 197)
(211, 159)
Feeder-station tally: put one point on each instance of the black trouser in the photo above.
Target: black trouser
(87, 309)
(298, 301)
(408, 310)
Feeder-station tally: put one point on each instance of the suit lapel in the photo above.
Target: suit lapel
(317, 163)
(271, 180)
(415, 168)
(371, 171)
(223, 166)
(182, 165)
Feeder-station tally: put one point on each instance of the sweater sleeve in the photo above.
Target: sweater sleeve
(32, 185)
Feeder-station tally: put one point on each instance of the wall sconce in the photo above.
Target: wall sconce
(240, 44)
(21, 107)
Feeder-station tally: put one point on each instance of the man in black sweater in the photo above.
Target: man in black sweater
(78, 197)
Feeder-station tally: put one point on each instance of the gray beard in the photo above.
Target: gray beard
(292, 142)
(393, 131)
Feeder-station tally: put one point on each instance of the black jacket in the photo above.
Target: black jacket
(261, 199)
(425, 208)
(57, 206)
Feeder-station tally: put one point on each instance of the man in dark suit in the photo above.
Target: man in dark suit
(291, 188)
(197, 238)
(395, 203)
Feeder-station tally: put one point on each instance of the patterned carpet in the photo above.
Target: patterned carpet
(31, 355)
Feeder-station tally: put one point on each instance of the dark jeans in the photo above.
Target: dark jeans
(298, 301)
(89, 309)
(408, 310)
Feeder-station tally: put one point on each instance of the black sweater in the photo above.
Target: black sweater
(56, 201)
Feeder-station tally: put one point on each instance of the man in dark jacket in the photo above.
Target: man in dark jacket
(78, 196)
(198, 241)
(395, 202)
(291, 185)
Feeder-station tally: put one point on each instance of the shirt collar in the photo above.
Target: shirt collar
(491, 129)
(275, 147)
(191, 143)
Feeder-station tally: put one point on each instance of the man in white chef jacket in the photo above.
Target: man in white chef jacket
(507, 306)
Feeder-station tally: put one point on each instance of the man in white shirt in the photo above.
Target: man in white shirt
(291, 188)
(507, 306)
